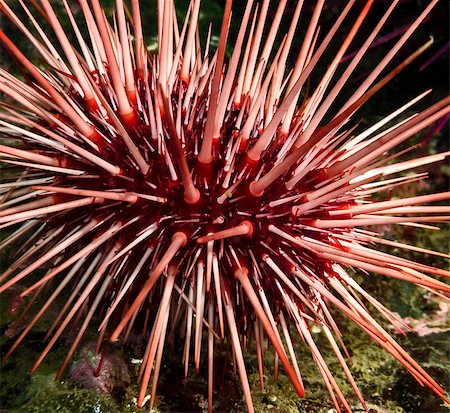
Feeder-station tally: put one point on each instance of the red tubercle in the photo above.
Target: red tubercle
(248, 161)
(309, 222)
(322, 214)
(95, 74)
(132, 96)
(59, 116)
(249, 165)
(61, 198)
(66, 162)
(130, 120)
(159, 105)
(237, 104)
(184, 113)
(215, 145)
(139, 74)
(205, 170)
(328, 269)
(91, 104)
(281, 137)
(97, 139)
(243, 147)
(185, 81)
(344, 248)
(303, 199)
(71, 163)
(234, 134)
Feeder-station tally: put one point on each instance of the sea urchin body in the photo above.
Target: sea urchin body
(188, 192)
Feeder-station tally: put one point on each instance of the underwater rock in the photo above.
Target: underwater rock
(110, 377)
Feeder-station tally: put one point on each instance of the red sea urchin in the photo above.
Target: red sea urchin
(184, 192)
